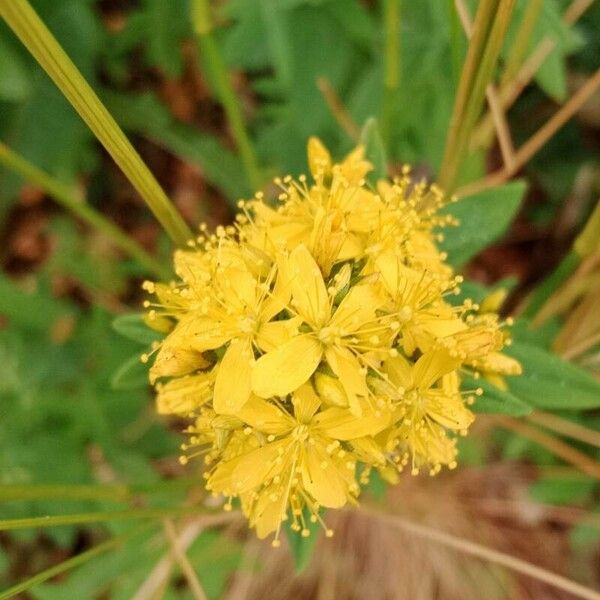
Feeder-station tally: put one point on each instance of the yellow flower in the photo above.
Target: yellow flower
(302, 464)
(314, 341)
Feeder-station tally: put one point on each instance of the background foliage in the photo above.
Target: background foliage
(71, 413)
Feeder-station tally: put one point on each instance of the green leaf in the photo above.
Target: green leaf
(302, 547)
(483, 217)
(496, 401)
(133, 374)
(134, 328)
(30, 310)
(567, 490)
(370, 137)
(550, 382)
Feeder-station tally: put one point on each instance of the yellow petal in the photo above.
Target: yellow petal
(322, 479)
(340, 424)
(184, 394)
(399, 370)
(279, 298)
(432, 366)
(174, 362)
(268, 511)
(232, 386)
(275, 333)
(306, 403)
(448, 411)
(265, 416)
(253, 469)
(349, 371)
(309, 294)
(319, 159)
(331, 390)
(357, 308)
(285, 369)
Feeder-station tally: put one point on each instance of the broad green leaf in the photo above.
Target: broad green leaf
(134, 328)
(496, 401)
(483, 217)
(550, 382)
(133, 374)
(370, 137)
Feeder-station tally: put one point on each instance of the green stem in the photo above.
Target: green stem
(71, 563)
(522, 41)
(391, 81)
(489, 31)
(63, 195)
(116, 493)
(97, 517)
(217, 71)
(32, 32)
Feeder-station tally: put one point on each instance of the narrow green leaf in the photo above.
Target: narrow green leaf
(133, 327)
(133, 374)
(371, 139)
(550, 382)
(495, 401)
(483, 217)
(97, 517)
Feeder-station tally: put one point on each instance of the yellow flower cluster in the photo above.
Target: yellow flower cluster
(312, 342)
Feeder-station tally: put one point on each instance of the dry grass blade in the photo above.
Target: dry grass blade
(559, 448)
(510, 562)
(184, 562)
(538, 139)
(158, 577)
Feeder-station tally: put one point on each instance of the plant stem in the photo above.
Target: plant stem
(184, 563)
(214, 63)
(538, 139)
(116, 493)
(64, 196)
(512, 89)
(97, 517)
(29, 28)
(489, 30)
(71, 563)
(522, 40)
(391, 79)
(499, 118)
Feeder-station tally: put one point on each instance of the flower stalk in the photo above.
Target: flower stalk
(35, 36)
